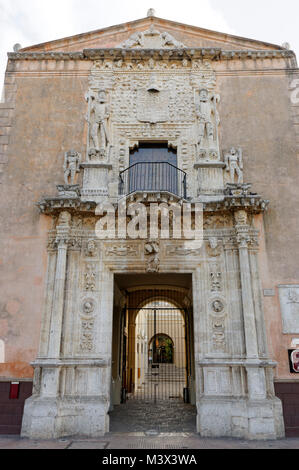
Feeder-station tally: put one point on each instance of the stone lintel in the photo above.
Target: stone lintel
(107, 166)
(237, 363)
(45, 363)
(209, 165)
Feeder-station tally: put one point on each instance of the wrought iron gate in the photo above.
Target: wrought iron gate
(156, 365)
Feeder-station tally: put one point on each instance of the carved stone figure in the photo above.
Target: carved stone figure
(168, 40)
(234, 164)
(71, 166)
(88, 306)
(98, 120)
(217, 306)
(152, 250)
(204, 113)
(91, 248)
(137, 39)
(216, 278)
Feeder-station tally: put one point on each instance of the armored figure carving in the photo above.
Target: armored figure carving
(205, 111)
(71, 166)
(98, 120)
(234, 164)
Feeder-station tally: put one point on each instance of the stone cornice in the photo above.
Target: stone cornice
(157, 54)
(54, 205)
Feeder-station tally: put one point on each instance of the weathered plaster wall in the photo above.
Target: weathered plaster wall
(257, 114)
(48, 120)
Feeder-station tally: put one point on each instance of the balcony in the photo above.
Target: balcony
(153, 177)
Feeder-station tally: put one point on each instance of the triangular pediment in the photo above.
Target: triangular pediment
(151, 32)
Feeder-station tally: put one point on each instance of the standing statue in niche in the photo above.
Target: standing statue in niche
(234, 164)
(72, 161)
(205, 112)
(99, 114)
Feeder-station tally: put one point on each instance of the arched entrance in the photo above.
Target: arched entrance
(153, 365)
(161, 349)
(158, 352)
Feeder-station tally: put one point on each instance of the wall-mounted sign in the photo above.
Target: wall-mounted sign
(294, 361)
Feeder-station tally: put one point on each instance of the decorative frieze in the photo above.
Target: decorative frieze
(166, 54)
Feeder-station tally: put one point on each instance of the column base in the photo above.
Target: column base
(52, 418)
(240, 418)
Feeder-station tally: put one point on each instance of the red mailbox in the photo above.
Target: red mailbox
(14, 390)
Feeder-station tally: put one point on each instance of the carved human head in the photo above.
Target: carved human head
(203, 94)
(102, 96)
(213, 242)
(218, 306)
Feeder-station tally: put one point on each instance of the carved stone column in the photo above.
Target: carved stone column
(255, 375)
(59, 287)
(243, 238)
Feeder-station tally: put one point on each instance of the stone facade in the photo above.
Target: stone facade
(77, 109)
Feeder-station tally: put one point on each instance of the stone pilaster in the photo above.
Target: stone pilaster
(58, 296)
(243, 238)
(255, 375)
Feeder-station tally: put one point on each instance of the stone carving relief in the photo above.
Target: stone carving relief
(217, 221)
(71, 167)
(217, 321)
(91, 249)
(215, 278)
(153, 103)
(234, 165)
(183, 250)
(98, 116)
(204, 116)
(152, 254)
(241, 217)
(217, 306)
(218, 334)
(87, 320)
(64, 219)
(213, 247)
(121, 250)
(90, 277)
(152, 39)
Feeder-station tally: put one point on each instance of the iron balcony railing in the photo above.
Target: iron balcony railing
(153, 177)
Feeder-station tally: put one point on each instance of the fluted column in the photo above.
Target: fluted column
(243, 238)
(255, 374)
(59, 286)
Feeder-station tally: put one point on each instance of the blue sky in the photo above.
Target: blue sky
(33, 21)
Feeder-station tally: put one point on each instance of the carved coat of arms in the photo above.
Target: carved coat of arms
(153, 106)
